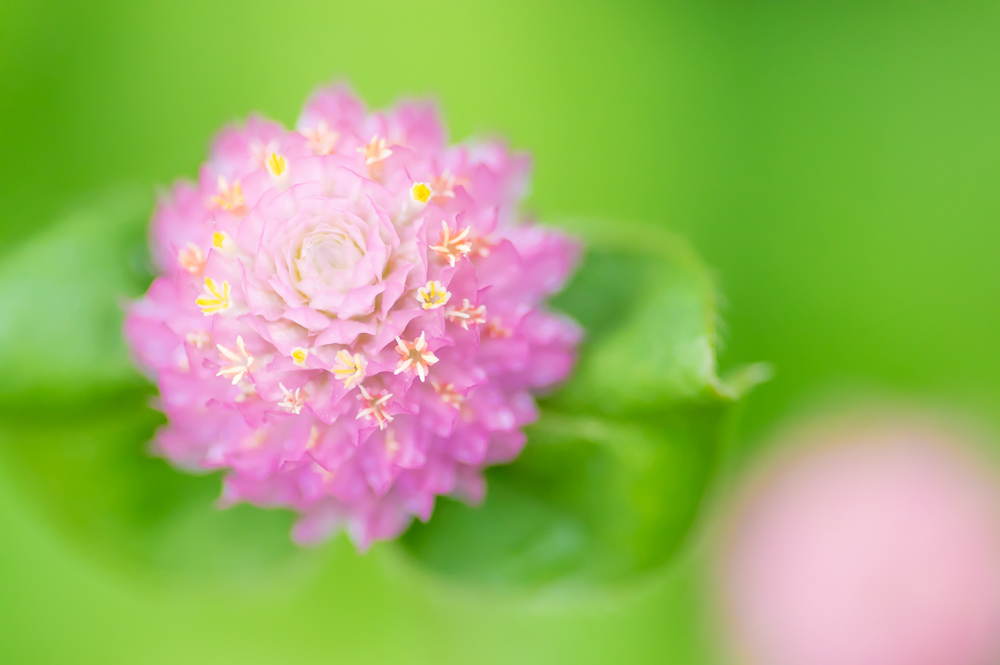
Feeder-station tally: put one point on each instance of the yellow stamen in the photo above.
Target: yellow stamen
(374, 407)
(191, 258)
(321, 140)
(482, 246)
(199, 339)
(496, 330)
(240, 361)
(443, 187)
(414, 356)
(448, 394)
(453, 246)
(276, 164)
(433, 295)
(375, 151)
(467, 314)
(421, 192)
(299, 356)
(294, 401)
(259, 151)
(219, 239)
(350, 369)
(214, 300)
(229, 198)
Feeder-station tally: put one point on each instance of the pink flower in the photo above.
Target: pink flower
(871, 545)
(319, 327)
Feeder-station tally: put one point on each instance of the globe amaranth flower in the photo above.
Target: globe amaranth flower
(349, 317)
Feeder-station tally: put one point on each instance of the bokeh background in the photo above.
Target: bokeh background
(836, 164)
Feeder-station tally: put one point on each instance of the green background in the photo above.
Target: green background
(836, 163)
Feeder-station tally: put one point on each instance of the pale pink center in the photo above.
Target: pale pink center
(325, 262)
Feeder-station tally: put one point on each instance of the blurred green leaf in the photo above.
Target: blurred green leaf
(613, 473)
(94, 477)
(62, 295)
(608, 486)
(75, 416)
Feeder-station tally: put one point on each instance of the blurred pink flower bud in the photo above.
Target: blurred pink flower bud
(871, 545)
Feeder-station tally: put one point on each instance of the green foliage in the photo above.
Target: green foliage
(75, 416)
(62, 295)
(613, 473)
(608, 486)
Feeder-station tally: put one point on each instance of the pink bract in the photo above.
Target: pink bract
(349, 317)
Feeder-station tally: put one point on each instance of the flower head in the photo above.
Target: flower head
(448, 394)
(321, 140)
(191, 258)
(415, 356)
(342, 269)
(467, 315)
(299, 356)
(239, 361)
(350, 368)
(375, 151)
(293, 400)
(276, 165)
(443, 186)
(453, 245)
(433, 295)
(374, 406)
(421, 192)
(215, 299)
(229, 198)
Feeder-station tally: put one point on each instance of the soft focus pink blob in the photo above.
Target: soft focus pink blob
(873, 546)
(350, 317)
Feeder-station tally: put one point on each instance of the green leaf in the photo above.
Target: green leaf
(613, 474)
(608, 486)
(75, 416)
(94, 478)
(62, 294)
